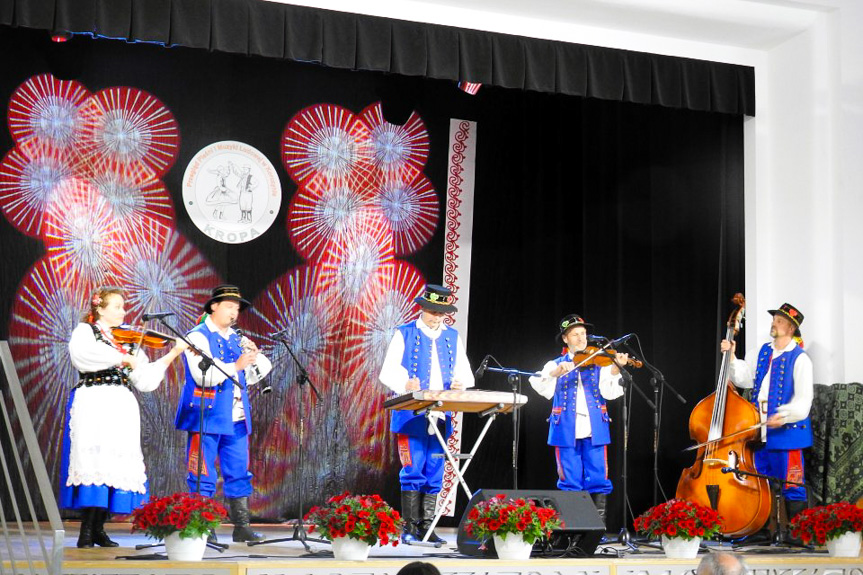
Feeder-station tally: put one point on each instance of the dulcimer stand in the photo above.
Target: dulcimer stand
(485, 403)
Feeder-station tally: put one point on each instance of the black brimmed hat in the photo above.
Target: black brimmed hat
(790, 313)
(226, 292)
(436, 298)
(571, 321)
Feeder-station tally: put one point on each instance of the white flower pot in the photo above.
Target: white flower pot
(680, 548)
(512, 546)
(846, 545)
(348, 549)
(188, 549)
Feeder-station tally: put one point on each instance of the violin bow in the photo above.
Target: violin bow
(724, 437)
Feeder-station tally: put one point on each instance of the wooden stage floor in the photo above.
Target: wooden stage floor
(290, 558)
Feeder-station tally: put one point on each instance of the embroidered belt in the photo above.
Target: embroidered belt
(104, 377)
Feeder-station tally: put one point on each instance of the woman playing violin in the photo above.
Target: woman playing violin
(578, 426)
(102, 469)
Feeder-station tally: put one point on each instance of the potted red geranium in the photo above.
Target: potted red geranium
(514, 524)
(353, 523)
(681, 524)
(182, 520)
(837, 526)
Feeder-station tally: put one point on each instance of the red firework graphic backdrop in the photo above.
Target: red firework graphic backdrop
(85, 177)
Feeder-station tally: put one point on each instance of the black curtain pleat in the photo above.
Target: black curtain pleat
(475, 56)
(151, 19)
(508, 67)
(695, 85)
(191, 23)
(571, 69)
(605, 75)
(230, 26)
(666, 82)
(443, 53)
(409, 49)
(267, 31)
(358, 42)
(374, 44)
(540, 67)
(304, 35)
(637, 79)
(340, 41)
(114, 18)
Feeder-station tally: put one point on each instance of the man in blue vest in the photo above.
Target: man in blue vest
(782, 390)
(227, 418)
(578, 426)
(423, 354)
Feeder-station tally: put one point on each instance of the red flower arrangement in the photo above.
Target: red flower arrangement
(499, 516)
(679, 518)
(827, 522)
(367, 518)
(191, 514)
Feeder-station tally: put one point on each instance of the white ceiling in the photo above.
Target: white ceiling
(750, 24)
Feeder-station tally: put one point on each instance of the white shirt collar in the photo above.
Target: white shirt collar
(213, 327)
(432, 333)
(791, 345)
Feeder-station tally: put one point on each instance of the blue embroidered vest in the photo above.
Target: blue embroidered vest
(219, 399)
(561, 429)
(417, 359)
(795, 435)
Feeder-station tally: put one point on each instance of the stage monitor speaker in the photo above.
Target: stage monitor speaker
(582, 528)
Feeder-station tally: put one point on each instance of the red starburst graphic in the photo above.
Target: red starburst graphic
(48, 110)
(326, 142)
(82, 236)
(47, 308)
(30, 177)
(411, 209)
(396, 150)
(130, 127)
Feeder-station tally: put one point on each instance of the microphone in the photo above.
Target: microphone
(597, 338)
(156, 315)
(278, 334)
(621, 339)
(482, 367)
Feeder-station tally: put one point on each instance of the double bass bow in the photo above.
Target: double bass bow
(725, 425)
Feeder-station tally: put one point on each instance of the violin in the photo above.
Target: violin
(141, 337)
(601, 357)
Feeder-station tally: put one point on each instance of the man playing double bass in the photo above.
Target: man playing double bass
(782, 392)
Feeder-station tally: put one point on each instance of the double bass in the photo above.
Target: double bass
(727, 425)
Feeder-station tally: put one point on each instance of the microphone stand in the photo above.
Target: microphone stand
(205, 364)
(299, 529)
(658, 383)
(513, 376)
(624, 537)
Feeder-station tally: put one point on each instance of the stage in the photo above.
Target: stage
(290, 558)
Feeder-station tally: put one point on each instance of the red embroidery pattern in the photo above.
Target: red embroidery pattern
(453, 202)
(404, 450)
(192, 466)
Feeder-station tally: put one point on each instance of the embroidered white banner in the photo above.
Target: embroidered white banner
(456, 268)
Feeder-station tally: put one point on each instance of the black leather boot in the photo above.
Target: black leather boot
(792, 508)
(410, 514)
(100, 538)
(429, 504)
(240, 518)
(599, 500)
(85, 536)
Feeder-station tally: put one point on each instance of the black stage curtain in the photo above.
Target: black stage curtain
(631, 215)
(357, 42)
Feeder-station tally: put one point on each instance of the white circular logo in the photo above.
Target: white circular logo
(232, 192)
